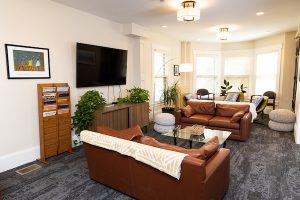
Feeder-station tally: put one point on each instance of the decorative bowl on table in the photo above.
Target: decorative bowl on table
(197, 129)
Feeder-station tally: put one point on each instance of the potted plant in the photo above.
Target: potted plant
(170, 98)
(135, 95)
(86, 106)
(242, 88)
(225, 88)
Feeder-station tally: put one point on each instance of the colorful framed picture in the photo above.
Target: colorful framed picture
(176, 70)
(25, 62)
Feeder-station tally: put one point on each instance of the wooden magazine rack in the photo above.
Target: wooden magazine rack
(54, 119)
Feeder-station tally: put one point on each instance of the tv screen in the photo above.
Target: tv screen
(100, 66)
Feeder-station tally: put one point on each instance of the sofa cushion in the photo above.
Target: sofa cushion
(228, 110)
(203, 107)
(237, 116)
(188, 111)
(224, 122)
(204, 153)
(197, 119)
(127, 134)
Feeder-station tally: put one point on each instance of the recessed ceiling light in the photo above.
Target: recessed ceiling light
(164, 26)
(260, 13)
(268, 32)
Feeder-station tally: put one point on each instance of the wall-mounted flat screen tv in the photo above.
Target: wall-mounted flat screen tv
(100, 66)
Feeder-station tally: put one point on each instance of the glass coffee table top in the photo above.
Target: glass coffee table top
(208, 134)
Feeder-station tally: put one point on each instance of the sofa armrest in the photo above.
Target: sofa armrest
(245, 126)
(127, 134)
(178, 117)
(217, 174)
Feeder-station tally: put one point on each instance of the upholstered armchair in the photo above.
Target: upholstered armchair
(203, 94)
(260, 106)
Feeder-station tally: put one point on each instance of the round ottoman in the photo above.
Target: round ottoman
(164, 122)
(282, 120)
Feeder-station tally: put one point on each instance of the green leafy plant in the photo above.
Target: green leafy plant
(87, 105)
(225, 88)
(170, 95)
(242, 88)
(135, 95)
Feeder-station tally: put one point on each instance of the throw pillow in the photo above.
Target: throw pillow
(237, 116)
(204, 153)
(189, 97)
(232, 97)
(188, 111)
(257, 101)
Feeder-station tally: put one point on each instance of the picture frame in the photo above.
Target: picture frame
(298, 63)
(176, 70)
(25, 62)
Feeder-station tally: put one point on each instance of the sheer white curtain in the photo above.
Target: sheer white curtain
(206, 72)
(237, 71)
(267, 67)
(160, 74)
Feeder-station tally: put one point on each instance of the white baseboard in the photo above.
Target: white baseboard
(296, 134)
(16, 159)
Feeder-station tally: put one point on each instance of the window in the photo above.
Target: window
(160, 75)
(237, 71)
(266, 72)
(206, 72)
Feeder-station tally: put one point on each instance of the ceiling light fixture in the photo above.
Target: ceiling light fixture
(188, 13)
(223, 34)
(259, 13)
(164, 26)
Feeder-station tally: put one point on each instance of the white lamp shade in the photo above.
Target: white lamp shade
(188, 14)
(224, 34)
(186, 67)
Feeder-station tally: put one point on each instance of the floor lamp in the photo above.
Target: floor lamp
(185, 67)
(154, 86)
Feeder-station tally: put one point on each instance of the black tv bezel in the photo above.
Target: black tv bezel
(105, 84)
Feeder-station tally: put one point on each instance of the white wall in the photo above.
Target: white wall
(297, 108)
(172, 47)
(50, 25)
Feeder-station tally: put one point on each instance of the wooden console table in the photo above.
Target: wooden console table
(121, 116)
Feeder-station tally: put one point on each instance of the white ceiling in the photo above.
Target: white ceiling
(238, 15)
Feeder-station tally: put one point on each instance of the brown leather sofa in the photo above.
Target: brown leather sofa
(205, 178)
(227, 117)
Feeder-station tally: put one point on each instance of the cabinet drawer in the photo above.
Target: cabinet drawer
(66, 127)
(50, 131)
(62, 120)
(51, 141)
(66, 132)
(51, 150)
(50, 122)
(64, 145)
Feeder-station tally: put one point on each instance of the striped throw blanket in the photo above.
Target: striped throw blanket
(166, 161)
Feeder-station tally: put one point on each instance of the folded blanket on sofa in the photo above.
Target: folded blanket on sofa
(166, 161)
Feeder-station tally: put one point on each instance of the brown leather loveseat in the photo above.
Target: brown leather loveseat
(227, 117)
(204, 172)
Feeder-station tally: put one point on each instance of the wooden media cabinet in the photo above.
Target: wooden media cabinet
(121, 116)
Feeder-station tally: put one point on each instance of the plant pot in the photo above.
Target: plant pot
(170, 110)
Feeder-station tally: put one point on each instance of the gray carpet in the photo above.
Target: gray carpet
(267, 166)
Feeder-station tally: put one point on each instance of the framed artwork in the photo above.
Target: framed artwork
(176, 70)
(25, 62)
(299, 65)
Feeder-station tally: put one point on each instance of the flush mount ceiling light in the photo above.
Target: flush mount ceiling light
(223, 34)
(188, 13)
(259, 13)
